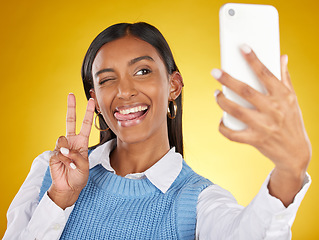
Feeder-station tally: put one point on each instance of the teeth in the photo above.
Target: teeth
(133, 110)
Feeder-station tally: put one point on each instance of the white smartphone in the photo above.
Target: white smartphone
(258, 27)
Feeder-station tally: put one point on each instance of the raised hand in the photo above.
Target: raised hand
(275, 126)
(69, 165)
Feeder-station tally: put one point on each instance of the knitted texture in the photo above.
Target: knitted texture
(113, 207)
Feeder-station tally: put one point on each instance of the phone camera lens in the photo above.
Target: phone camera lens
(231, 12)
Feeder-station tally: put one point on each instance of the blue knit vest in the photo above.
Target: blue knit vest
(113, 207)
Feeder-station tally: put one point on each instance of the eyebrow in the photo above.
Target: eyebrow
(104, 70)
(133, 61)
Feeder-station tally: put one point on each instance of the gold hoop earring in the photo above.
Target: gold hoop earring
(169, 111)
(101, 130)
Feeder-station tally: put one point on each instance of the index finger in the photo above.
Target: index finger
(267, 78)
(88, 119)
(71, 116)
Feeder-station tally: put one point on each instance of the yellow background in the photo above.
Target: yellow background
(42, 46)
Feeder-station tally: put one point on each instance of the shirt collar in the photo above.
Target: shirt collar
(162, 174)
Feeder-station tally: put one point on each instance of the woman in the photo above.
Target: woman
(135, 184)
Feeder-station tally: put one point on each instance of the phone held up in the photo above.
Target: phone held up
(258, 27)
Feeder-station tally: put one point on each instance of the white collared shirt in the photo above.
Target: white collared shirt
(218, 214)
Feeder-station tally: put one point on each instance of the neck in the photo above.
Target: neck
(138, 157)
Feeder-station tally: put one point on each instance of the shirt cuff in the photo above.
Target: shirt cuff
(48, 220)
(272, 209)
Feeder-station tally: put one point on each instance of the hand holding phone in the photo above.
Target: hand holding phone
(274, 121)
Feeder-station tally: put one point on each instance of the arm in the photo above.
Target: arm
(69, 167)
(27, 218)
(220, 217)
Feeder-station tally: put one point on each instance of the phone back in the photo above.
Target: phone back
(258, 27)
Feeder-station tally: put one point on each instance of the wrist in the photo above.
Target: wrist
(285, 184)
(63, 199)
(295, 172)
(295, 176)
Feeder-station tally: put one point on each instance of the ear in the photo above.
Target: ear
(93, 95)
(176, 85)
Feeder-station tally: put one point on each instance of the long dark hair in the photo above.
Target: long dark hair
(152, 35)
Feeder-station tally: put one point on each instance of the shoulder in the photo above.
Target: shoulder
(39, 167)
(189, 182)
(191, 177)
(42, 159)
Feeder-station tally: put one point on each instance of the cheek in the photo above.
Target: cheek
(104, 99)
(159, 96)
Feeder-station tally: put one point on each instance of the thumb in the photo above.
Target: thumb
(60, 153)
(61, 142)
(77, 160)
(70, 157)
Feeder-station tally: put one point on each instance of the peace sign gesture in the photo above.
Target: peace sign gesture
(69, 165)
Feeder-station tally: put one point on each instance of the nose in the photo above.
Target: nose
(126, 89)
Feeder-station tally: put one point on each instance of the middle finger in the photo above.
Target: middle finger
(256, 98)
(268, 79)
(71, 116)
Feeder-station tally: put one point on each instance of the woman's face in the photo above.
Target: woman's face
(132, 89)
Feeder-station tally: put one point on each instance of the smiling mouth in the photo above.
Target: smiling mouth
(131, 114)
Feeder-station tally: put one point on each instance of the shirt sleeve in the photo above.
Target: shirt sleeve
(27, 218)
(220, 217)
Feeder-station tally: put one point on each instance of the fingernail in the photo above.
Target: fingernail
(64, 151)
(216, 73)
(72, 165)
(245, 48)
(285, 59)
(216, 92)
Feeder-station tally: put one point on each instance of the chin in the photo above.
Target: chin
(131, 138)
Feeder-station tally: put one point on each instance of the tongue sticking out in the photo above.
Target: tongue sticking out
(130, 116)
